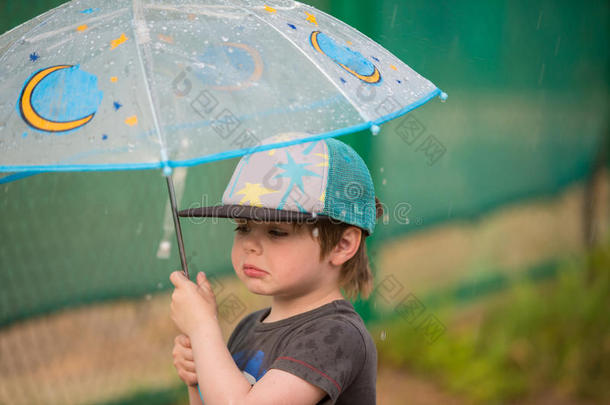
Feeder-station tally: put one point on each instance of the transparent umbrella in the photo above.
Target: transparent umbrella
(116, 84)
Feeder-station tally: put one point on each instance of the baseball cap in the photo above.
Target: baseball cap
(323, 179)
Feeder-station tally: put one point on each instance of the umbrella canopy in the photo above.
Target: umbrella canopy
(94, 85)
(119, 84)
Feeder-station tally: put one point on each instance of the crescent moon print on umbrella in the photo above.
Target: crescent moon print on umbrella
(59, 98)
(352, 61)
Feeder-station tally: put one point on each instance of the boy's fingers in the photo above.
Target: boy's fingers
(188, 378)
(187, 354)
(203, 282)
(183, 340)
(188, 365)
(183, 359)
(176, 278)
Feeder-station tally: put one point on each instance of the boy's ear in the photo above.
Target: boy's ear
(347, 246)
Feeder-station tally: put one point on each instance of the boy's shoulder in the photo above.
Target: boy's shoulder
(329, 321)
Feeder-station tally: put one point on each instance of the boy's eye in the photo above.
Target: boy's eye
(272, 232)
(240, 228)
(277, 233)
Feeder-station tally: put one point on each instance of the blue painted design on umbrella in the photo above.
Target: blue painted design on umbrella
(59, 98)
(350, 60)
(228, 66)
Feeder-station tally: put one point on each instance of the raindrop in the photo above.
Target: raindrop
(383, 335)
(381, 169)
(225, 39)
(384, 182)
(159, 285)
(130, 147)
(375, 129)
(315, 232)
(443, 97)
(148, 297)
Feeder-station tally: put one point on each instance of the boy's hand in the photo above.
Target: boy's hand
(193, 305)
(184, 361)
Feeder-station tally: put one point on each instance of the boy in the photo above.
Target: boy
(303, 213)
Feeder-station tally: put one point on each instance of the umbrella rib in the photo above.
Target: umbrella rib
(140, 27)
(360, 112)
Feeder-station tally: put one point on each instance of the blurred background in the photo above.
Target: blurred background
(491, 263)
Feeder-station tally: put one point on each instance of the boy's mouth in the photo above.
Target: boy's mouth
(249, 266)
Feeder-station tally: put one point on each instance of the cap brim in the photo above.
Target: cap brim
(249, 212)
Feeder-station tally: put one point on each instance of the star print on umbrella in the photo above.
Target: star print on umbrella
(295, 172)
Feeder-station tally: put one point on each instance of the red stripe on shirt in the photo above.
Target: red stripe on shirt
(313, 368)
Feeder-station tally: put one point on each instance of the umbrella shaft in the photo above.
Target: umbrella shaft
(172, 199)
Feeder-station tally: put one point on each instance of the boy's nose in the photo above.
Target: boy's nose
(252, 245)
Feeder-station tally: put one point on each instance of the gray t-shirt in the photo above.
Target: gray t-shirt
(328, 346)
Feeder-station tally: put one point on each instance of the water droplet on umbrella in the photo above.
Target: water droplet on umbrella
(375, 129)
(443, 97)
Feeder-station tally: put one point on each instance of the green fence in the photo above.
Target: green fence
(526, 116)
(527, 109)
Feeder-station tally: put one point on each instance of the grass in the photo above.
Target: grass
(538, 338)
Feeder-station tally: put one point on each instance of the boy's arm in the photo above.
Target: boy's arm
(220, 381)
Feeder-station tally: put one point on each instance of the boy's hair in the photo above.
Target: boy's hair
(356, 276)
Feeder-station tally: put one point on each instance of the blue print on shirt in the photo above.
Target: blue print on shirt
(253, 366)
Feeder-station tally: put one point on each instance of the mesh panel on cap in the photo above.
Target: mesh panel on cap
(350, 195)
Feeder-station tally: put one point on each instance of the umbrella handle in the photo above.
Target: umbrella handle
(172, 199)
